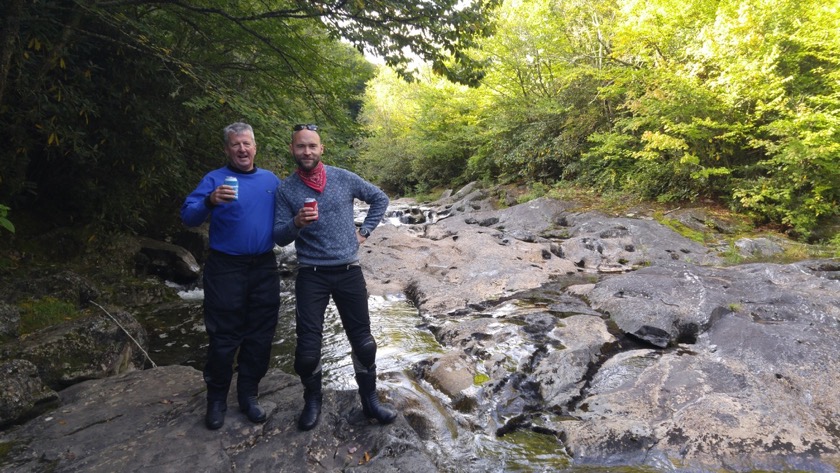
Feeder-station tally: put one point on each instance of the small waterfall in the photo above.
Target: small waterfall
(403, 214)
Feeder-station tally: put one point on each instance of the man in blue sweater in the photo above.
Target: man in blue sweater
(327, 242)
(241, 278)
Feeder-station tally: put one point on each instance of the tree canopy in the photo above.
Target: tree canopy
(671, 100)
(114, 109)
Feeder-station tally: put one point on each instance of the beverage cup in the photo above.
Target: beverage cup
(311, 203)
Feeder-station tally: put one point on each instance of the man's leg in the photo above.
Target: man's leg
(351, 300)
(255, 350)
(312, 294)
(224, 302)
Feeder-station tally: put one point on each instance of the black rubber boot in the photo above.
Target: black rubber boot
(371, 406)
(215, 417)
(252, 409)
(246, 393)
(312, 398)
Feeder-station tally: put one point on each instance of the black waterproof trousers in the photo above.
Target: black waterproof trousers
(241, 303)
(313, 288)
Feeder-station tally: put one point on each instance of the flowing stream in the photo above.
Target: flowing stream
(177, 336)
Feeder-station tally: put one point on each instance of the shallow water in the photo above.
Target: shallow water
(177, 336)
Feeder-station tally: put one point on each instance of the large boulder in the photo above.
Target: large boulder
(562, 371)
(606, 244)
(24, 395)
(196, 240)
(100, 345)
(666, 305)
(740, 370)
(459, 261)
(166, 260)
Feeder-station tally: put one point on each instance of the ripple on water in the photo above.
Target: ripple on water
(401, 340)
(177, 336)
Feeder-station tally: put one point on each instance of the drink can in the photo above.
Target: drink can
(312, 203)
(233, 182)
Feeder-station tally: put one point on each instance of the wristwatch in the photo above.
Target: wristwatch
(364, 232)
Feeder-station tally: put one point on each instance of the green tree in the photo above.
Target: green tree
(546, 58)
(720, 99)
(114, 109)
(418, 135)
(385, 147)
(779, 65)
(671, 100)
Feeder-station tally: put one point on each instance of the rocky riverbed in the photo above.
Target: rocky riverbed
(614, 341)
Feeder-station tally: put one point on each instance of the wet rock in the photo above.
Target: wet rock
(670, 305)
(660, 305)
(93, 347)
(196, 240)
(9, 321)
(743, 343)
(453, 375)
(24, 395)
(758, 247)
(694, 408)
(286, 259)
(155, 419)
(170, 262)
(561, 374)
(62, 285)
(498, 346)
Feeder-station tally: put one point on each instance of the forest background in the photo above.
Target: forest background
(111, 111)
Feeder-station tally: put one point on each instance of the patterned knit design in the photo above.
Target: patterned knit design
(332, 239)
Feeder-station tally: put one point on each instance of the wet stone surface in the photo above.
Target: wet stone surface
(532, 338)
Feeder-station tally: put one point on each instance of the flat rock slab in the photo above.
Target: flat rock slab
(153, 420)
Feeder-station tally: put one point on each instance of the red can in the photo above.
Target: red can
(312, 203)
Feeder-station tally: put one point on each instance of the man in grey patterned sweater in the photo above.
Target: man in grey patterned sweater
(327, 243)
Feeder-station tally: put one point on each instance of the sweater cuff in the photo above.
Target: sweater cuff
(207, 202)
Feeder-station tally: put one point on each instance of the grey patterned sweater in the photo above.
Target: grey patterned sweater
(332, 239)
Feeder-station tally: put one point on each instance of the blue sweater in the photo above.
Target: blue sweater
(243, 226)
(331, 240)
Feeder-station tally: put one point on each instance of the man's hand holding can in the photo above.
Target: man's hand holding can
(308, 214)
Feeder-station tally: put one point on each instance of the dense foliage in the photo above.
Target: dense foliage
(112, 111)
(673, 100)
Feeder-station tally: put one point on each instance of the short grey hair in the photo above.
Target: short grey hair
(237, 128)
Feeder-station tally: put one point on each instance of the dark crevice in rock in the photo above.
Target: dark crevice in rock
(623, 343)
(413, 293)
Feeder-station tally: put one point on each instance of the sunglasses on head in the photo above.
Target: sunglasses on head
(305, 127)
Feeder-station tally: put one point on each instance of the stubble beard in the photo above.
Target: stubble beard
(301, 164)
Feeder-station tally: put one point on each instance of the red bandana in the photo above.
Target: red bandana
(316, 178)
